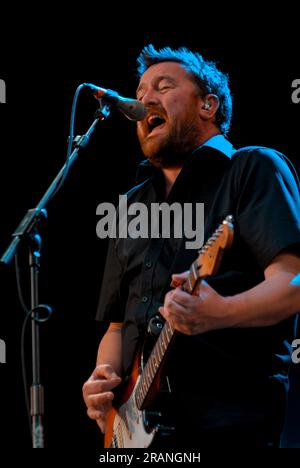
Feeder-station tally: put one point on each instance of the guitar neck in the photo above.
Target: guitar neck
(162, 345)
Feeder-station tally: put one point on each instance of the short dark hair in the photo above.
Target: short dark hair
(204, 73)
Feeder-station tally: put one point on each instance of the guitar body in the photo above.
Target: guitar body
(127, 426)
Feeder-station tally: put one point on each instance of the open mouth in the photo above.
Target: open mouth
(154, 121)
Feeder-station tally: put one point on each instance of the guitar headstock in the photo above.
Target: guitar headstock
(211, 253)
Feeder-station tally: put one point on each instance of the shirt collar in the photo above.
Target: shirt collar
(219, 143)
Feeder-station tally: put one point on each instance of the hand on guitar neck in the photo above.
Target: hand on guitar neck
(200, 312)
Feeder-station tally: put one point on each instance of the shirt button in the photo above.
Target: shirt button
(148, 264)
(145, 299)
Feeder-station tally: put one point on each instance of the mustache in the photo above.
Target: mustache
(155, 108)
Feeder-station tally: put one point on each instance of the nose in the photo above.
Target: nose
(150, 98)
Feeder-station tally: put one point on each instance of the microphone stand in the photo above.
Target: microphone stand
(28, 229)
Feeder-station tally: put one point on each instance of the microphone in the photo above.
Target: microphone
(131, 108)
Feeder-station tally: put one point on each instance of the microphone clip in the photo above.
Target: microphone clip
(104, 110)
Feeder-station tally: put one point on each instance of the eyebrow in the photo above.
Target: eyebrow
(157, 80)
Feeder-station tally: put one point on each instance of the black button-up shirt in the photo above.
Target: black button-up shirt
(259, 187)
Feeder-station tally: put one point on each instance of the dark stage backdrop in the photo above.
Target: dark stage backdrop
(34, 129)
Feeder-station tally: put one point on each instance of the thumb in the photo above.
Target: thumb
(106, 371)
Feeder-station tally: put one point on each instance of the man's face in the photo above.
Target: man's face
(172, 126)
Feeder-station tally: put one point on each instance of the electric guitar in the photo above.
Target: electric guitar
(127, 425)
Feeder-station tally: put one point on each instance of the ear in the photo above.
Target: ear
(208, 106)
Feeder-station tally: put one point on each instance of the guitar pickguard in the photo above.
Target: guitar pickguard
(129, 426)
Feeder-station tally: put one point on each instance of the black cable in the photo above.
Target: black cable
(19, 288)
(71, 139)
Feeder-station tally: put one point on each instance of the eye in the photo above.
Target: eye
(164, 88)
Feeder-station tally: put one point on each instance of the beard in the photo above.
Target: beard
(173, 149)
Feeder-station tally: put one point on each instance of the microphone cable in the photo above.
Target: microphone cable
(70, 140)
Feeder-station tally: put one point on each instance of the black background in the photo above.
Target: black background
(42, 72)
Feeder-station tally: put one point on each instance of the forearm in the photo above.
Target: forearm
(110, 348)
(268, 303)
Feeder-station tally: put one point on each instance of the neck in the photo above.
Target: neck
(170, 175)
(209, 133)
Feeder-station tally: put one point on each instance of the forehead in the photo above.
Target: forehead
(172, 69)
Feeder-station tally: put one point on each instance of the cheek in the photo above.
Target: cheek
(173, 106)
(182, 111)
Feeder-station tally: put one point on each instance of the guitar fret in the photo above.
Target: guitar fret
(160, 352)
(167, 341)
(145, 383)
(161, 346)
(169, 332)
(145, 377)
(156, 361)
(152, 367)
(162, 336)
(147, 386)
(143, 387)
(148, 375)
(148, 380)
(149, 372)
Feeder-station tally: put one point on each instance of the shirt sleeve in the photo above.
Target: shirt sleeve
(268, 212)
(110, 308)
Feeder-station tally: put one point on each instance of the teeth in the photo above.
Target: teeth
(152, 118)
